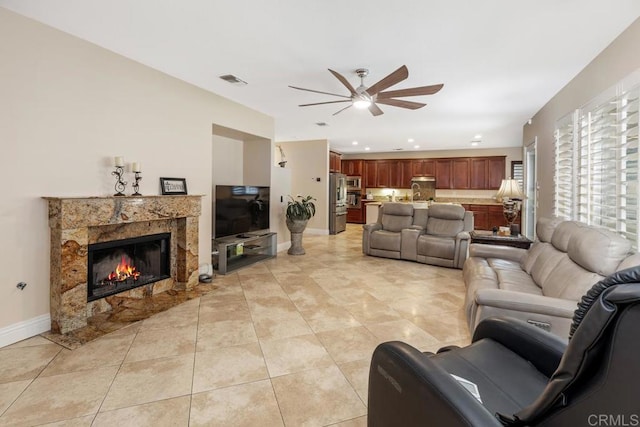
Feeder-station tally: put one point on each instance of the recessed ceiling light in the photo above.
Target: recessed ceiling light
(410, 140)
(233, 79)
(355, 143)
(474, 143)
(367, 148)
(478, 136)
(416, 146)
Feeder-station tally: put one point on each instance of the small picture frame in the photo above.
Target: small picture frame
(173, 186)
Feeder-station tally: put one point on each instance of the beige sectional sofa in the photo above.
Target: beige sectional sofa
(542, 285)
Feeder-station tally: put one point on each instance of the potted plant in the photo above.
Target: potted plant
(299, 211)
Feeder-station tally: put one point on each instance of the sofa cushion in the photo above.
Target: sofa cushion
(599, 250)
(386, 240)
(436, 246)
(568, 280)
(563, 234)
(396, 216)
(545, 227)
(548, 258)
(532, 255)
(446, 211)
(420, 216)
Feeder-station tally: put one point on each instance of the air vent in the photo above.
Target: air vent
(398, 149)
(321, 124)
(230, 78)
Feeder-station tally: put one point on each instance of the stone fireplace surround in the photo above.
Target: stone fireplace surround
(76, 223)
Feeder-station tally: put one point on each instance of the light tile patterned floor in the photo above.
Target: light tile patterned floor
(286, 342)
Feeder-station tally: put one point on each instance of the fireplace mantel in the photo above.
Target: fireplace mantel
(76, 222)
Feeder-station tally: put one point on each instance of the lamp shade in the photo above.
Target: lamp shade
(509, 189)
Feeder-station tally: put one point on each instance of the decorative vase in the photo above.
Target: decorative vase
(296, 227)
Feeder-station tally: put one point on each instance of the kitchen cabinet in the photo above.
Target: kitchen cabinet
(495, 172)
(370, 173)
(334, 161)
(353, 167)
(485, 217)
(423, 167)
(460, 174)
(354, 215)
(443, 173)
(456, 173)
(405, 174)
(383, 174)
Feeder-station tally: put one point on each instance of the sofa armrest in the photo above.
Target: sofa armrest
(374, 226)
(530, 303)
(407, 389)
(367, 229)
(463, 235)
(417, 227)
(495, 251)
(409, 242)
(543, 349)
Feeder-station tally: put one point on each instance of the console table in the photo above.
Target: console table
(488, 238)
(244, 249)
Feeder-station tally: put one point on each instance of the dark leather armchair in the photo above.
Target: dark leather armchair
(524, 375)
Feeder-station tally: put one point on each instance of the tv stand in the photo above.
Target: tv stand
(242, 250)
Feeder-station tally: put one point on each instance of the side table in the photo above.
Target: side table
(488, 238)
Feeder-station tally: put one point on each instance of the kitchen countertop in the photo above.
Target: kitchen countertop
(462, 201)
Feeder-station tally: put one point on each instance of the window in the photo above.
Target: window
(596, 161)
(517, 172)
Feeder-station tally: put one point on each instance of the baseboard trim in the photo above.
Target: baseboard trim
(23, 330)
(283, 246)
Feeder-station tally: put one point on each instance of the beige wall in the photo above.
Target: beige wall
(309, 160)
(67, 108)
(618, 60)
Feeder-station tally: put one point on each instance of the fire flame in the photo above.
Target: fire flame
(123, 272)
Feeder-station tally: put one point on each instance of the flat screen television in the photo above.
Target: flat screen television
(241, 209)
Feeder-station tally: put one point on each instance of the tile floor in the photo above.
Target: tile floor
(285, 342)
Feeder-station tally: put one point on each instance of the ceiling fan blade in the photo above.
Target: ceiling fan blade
(340, 111)
(375, 110)
(401, 103)
(343, 81)
(321, 103)
(396, 77)
(412, 91)
(318, 91)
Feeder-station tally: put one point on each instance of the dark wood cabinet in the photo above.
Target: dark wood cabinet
(354, 216)
(443, 173)
(485, 217)
(460, 174)
(383, 174)
(495, 172)
(423, 167)
(456, 173)
(370, 173)
(478, 174)
(353, 167)
(334, 161)
(406, 173)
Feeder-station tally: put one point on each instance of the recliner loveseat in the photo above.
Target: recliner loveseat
(438, 235)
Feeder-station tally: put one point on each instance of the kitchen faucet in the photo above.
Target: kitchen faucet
(416, 193)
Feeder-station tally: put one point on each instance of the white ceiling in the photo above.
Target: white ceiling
(500, 60)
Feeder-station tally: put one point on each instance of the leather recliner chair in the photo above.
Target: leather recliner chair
(386, 238)
(524, 375)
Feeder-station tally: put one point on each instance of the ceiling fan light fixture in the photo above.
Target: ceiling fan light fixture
(361, 104)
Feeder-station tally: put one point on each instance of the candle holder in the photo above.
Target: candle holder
(120, 184)
(136, 186)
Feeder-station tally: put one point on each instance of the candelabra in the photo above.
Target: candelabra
(120, 184)
(136, 186)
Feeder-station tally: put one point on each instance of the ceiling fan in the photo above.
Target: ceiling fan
(368, 97)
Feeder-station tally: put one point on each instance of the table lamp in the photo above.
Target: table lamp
(511, 195)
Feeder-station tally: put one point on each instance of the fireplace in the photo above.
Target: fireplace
(82, 225)
(120, 265)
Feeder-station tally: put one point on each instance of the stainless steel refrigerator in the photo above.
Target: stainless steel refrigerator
(337, 203)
